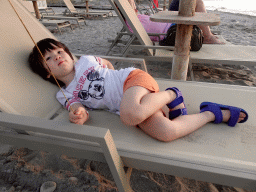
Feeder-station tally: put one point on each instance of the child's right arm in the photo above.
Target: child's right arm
(107, 64)
(80, 114)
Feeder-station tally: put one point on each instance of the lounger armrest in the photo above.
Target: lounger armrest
(124, 33)
(152, 47)
(139, 61)
(156, 34)
(66, 132)
(149, 34)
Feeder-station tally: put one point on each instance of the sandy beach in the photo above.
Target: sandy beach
(25, 170)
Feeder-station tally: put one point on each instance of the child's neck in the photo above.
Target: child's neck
(68, 78)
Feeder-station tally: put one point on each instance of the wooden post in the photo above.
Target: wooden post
(170, 1)
(87, 6)
(182, 42)
(38, 16)
(164, 7)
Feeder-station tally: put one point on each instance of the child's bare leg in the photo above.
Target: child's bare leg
(140, 107)
(138, 104)
(163, 129)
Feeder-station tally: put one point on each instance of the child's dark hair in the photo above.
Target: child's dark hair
(36, 61)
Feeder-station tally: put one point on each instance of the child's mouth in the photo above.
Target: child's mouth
(60, 63)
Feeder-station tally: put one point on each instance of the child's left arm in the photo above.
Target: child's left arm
(80, 115)
(107, 64)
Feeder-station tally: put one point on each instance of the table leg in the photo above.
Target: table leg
(87, 7)
(182, 42)
(181, 52)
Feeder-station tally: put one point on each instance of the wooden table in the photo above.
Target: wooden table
(38, 16)
(183, 36)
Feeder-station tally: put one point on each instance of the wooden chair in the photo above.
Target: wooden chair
(72, 11)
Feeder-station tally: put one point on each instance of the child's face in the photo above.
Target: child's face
(59, 62)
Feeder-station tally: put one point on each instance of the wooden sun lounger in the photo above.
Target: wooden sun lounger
(56, 23)
(47, 11)
(212, 54)
(46, 20)
(215, 153)
(59, 17)
(72, 11)
(29, 6)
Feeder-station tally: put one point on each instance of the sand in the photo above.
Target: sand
(26, 170)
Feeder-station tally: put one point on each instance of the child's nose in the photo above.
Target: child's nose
(57, 57)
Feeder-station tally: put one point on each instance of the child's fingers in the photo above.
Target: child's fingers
(78, 121)
(73, 116)
(79, 116)
(77, 111)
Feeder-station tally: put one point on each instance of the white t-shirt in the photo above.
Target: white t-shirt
(95, 87)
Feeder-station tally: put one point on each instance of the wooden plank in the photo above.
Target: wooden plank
(198, 19)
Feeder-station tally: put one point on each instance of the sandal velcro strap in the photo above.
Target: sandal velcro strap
(177, 113)
(216, 108)
(234, 116)
(179, 99)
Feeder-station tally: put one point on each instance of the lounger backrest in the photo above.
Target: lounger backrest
(133, 21)
(70, 6)
(28, 5)
(22, 91)
(112, 3)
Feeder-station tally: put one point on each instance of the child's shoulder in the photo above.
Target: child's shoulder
(88, 58)
(87, 61)
(84, 58)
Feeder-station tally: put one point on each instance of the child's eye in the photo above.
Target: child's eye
(47, 58)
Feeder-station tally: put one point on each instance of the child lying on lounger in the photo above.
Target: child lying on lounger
(92, 82)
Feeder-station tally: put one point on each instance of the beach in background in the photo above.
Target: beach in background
(246, 7)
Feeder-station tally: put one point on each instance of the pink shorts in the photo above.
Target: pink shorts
(140, 78)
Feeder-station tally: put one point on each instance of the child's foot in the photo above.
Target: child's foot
(177, 106)
(212, 40)
(224, 113)
(226, 116)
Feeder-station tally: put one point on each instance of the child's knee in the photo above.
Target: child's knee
(132, 118)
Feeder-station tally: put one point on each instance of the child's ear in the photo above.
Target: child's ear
(48, 76)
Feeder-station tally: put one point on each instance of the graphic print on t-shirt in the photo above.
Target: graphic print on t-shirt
(95, 89)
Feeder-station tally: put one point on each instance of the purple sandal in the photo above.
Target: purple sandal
(216, 108)
(178, 100)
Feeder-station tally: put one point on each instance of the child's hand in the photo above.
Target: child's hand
(80, 115)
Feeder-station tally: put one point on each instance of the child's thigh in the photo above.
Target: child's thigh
(132, 98)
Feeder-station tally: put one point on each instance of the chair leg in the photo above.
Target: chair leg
(114, 43)
(190, 71)
(78, 24)
(59, 29)
(115, 163)
(125, 50)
